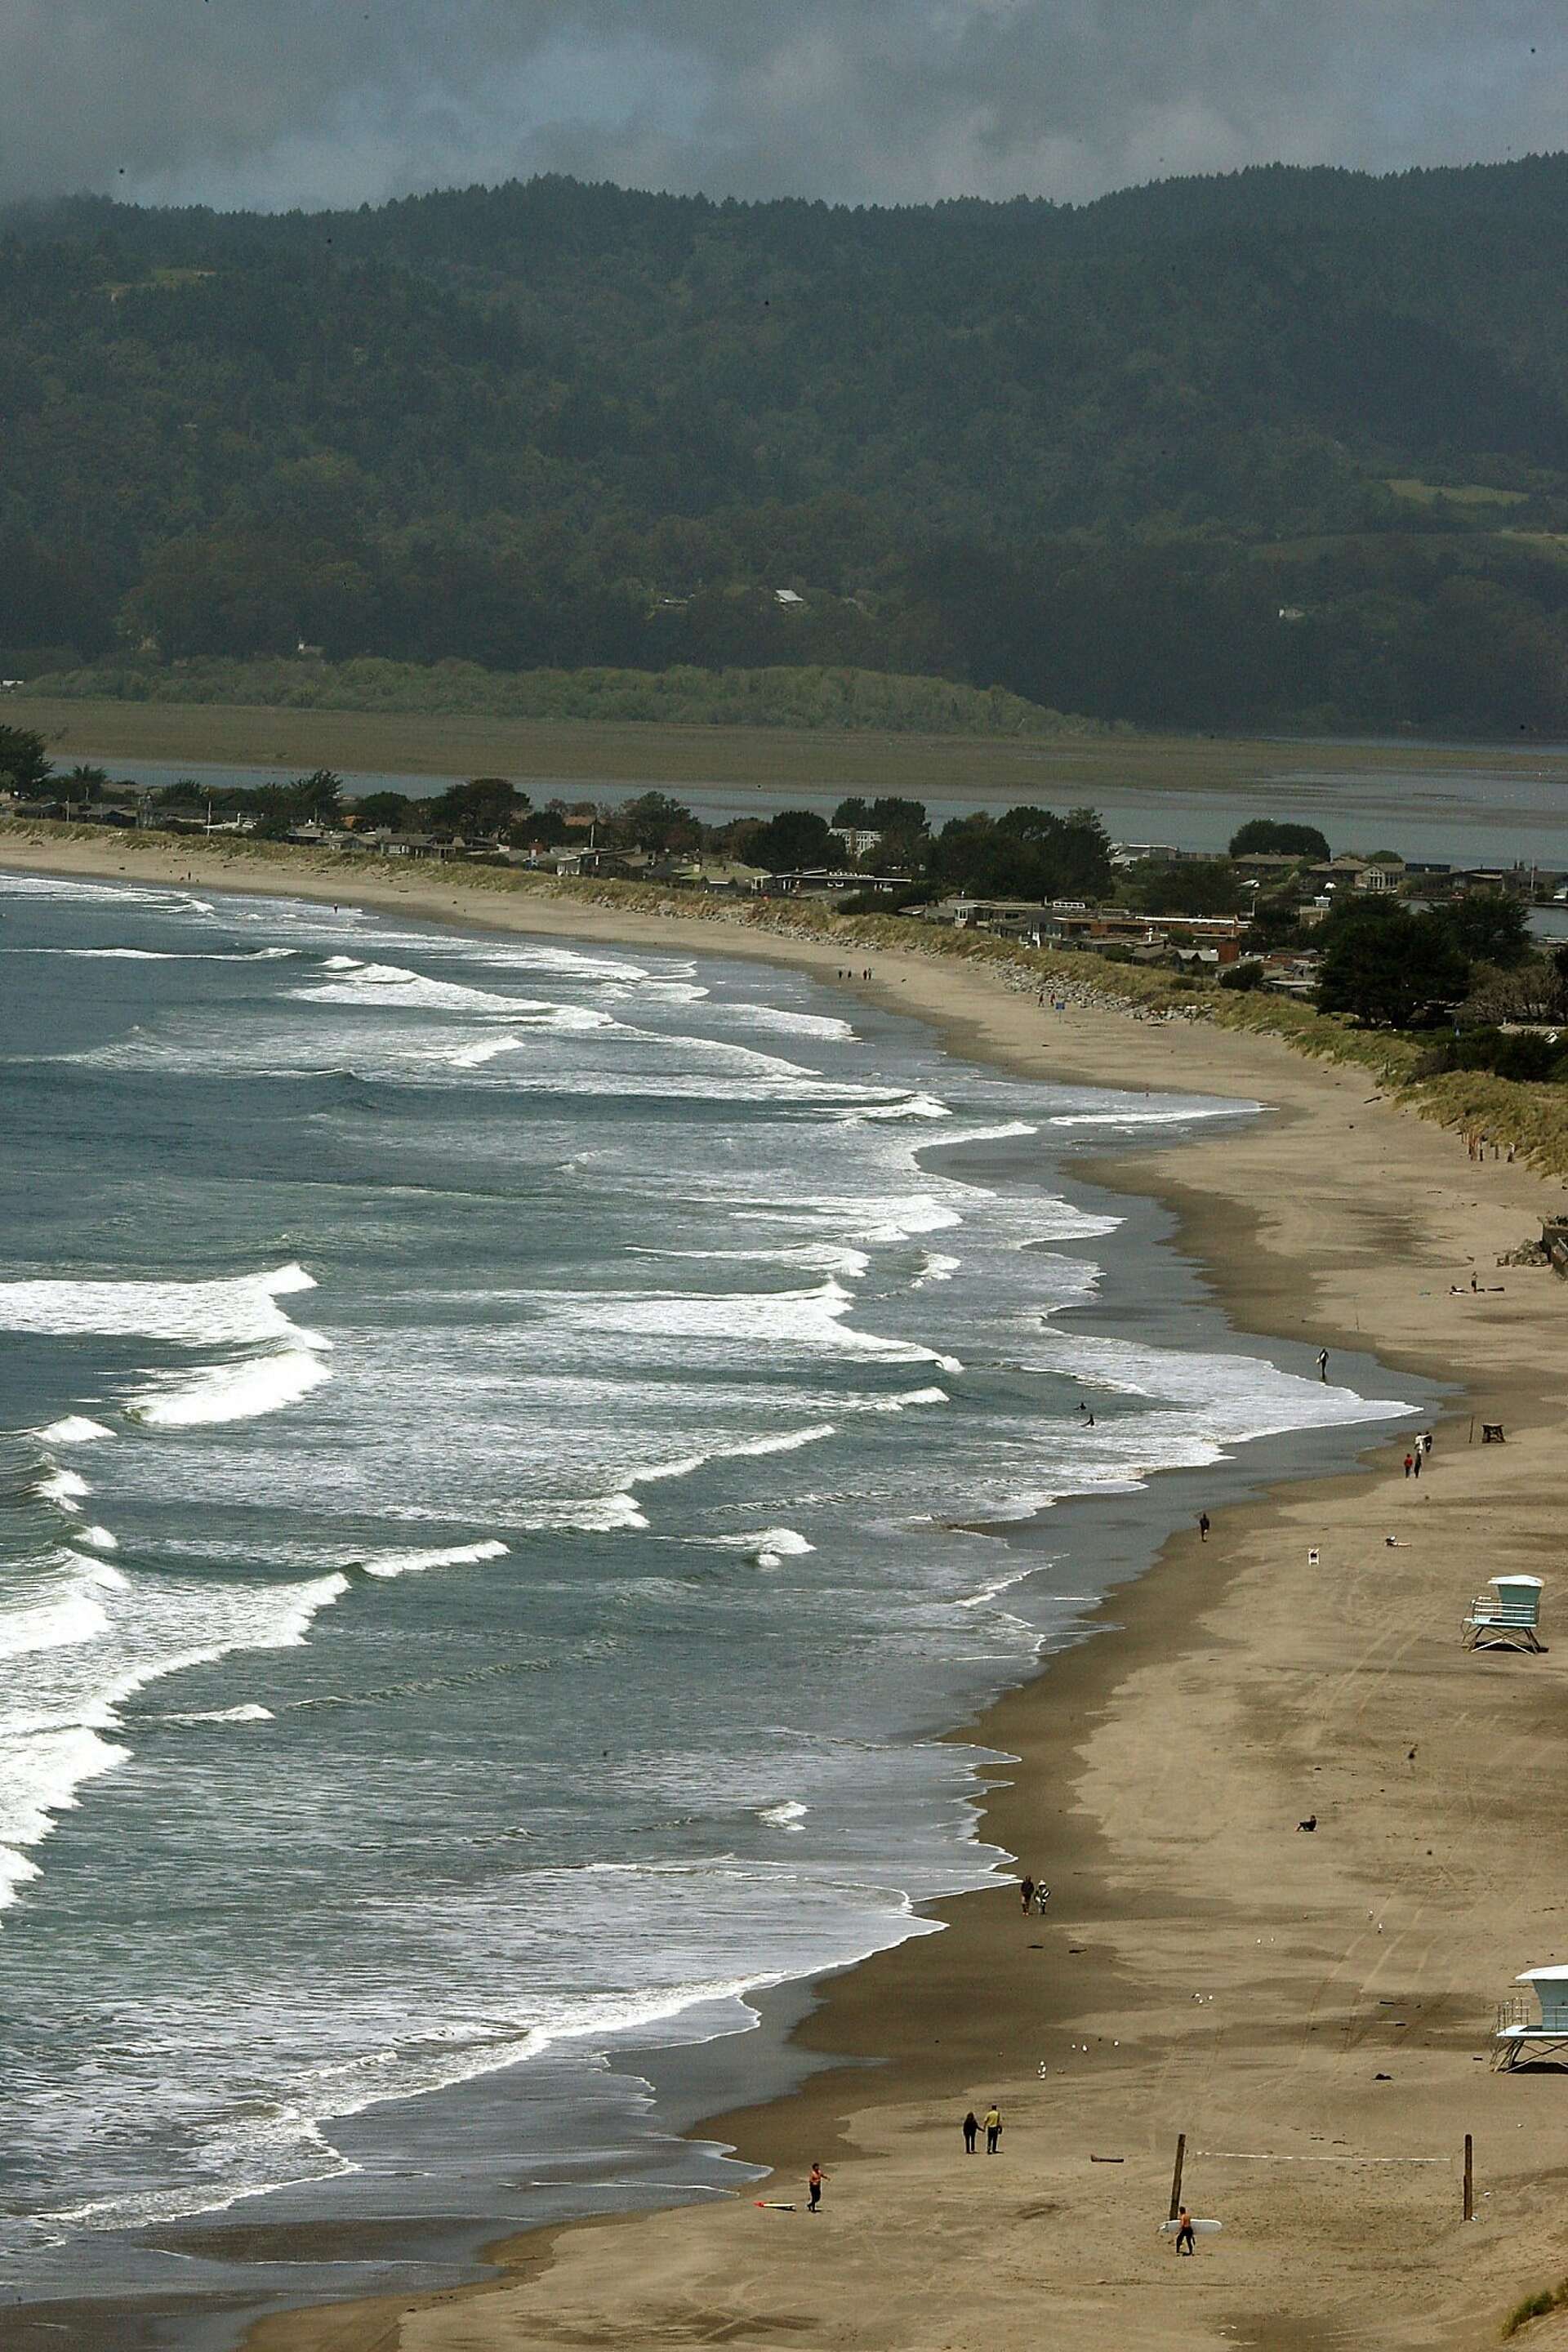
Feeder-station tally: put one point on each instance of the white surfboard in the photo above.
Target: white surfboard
(1200, 2229)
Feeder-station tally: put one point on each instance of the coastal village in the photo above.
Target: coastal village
(1245, 919)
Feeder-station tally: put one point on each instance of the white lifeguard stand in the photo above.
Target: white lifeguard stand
(1506, 1616)
(1520, 2037)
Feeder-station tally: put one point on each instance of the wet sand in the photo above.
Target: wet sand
(1311, 2009)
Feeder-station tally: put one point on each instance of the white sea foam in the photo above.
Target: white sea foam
(783, 1441)
(936, 1268)
(240, 1392)
(76, 1616)
(1002, 1134)
(1233, 1398)
(39, 1776)
(769, 1546)
(64, 1488)
(997, 1586)
(829, 1257)
(163, 955)
(871, 1221)
(100, 1573)
(1132, 1116)
(74, 1430)
(806, 1320)
(907, 1107)
(781, 1018)
(390, 985)
(195, 1314)
(414, 1563)
(787, 1816)
(600, 1515)
(475, 1057)
(899, 1403)
(99, 1537)
(250, 1713)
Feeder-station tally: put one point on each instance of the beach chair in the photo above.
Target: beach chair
(1506, 1616)
(1519, 2037)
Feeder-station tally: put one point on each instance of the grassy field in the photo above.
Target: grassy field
(577, 755)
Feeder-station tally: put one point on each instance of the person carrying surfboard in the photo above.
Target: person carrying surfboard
(1185, 2241)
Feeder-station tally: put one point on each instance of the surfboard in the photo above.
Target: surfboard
(1200, 2229)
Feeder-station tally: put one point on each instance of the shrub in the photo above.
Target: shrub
(1535, 2307)
(1242, 976)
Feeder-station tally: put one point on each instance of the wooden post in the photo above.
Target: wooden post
(1176, 2176)
(1469, 2179)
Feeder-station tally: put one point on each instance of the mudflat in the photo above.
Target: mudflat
(577, 754)
(1311, 2008)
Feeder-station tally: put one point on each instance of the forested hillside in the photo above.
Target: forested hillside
(1288, 446)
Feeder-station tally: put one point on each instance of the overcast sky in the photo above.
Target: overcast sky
(278, 102)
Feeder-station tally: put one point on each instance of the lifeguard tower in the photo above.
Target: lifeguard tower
(1521, 2039)
(1506, 1616)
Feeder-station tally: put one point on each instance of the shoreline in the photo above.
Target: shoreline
(1291, 1252)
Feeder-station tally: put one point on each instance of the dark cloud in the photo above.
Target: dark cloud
(279, 102)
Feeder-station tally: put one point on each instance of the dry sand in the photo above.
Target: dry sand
(1313, 2010)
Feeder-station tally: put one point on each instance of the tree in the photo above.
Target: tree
(486, 804)
(795, 839)
(855, 812)
(84, 783)
(23, 761)
(318, 796)
(1383, 965)
(390, 809)
(890, 814)
(1030, 853)
(1269, 838)
(1489, 927)
(657, 822)
(1194, 886)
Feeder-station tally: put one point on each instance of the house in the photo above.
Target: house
(789, 600)
(1292, 972)
(1018, 918)
(1262, 865)
(818, 882)
(860, 840)
(725, 874)
(1218, 938)
(1143, 853)
(409, 845)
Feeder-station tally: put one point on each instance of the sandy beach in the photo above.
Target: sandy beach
(1312, 2009)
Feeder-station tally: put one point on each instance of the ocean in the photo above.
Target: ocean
(510, 1456)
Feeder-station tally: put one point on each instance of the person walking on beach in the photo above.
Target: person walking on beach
(971, 2132)
(813, 2188)
(1322, 1363)
(1026, 1890)
(1202, 1526)
(1185, 2243)
(993, 2127)
(1417, 1458)
(1426, 1441)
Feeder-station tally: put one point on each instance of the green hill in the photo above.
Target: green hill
(1286, 447)
(844, 700)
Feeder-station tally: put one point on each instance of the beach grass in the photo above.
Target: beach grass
(1535, 2307)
